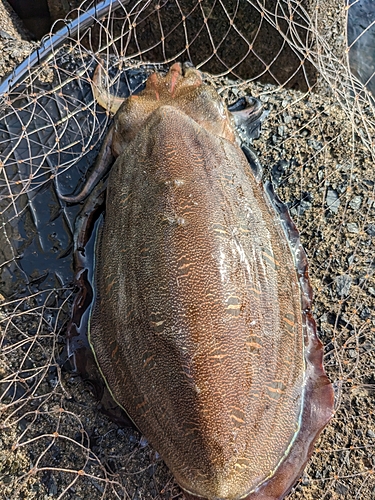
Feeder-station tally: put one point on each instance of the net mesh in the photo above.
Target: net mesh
(310, 63)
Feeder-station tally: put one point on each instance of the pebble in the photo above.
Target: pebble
(356, 202)
(343, 284)
(287, 119)
(352, 227)
(316, 145)
(281, 130)
(278, 171)
(320, 174)
(332, 201)
(365, 313)
(341, 489)
(143, 442)
(304, 205)
(51, 485)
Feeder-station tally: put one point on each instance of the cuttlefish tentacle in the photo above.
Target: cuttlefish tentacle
(102, 165)
(102, 96)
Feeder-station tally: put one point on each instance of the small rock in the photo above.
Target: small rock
(301, 206)
(281, 130)
(370, 230)
(343, 284)
(304, 205)
(341, 489)
(293, 212)
(4, 34)
(351, 259)
(143, 442)
(151, 470)
(305, 480)
(316, 145)
(365, 313)
(352, 227)
(50, 483)
(133, 439)
(371, 290)
(367, 346)
(332, 201)
(279, 170)
(356, 202)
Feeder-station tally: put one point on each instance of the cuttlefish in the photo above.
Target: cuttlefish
(201, 319)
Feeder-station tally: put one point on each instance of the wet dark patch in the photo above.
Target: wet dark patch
(38, 228)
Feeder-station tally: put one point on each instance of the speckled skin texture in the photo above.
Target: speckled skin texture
(200, 326)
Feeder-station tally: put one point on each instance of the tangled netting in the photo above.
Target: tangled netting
(311, 64)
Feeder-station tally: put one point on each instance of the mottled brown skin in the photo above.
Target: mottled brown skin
(201, 324)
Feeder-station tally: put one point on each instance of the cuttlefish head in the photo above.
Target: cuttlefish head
(182, 88)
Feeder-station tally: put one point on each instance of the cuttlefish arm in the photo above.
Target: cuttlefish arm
(106, 155)
(102, 166)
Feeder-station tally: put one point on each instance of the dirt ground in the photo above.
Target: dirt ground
(56, 442)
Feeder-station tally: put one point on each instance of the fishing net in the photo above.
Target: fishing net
(310, 63)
